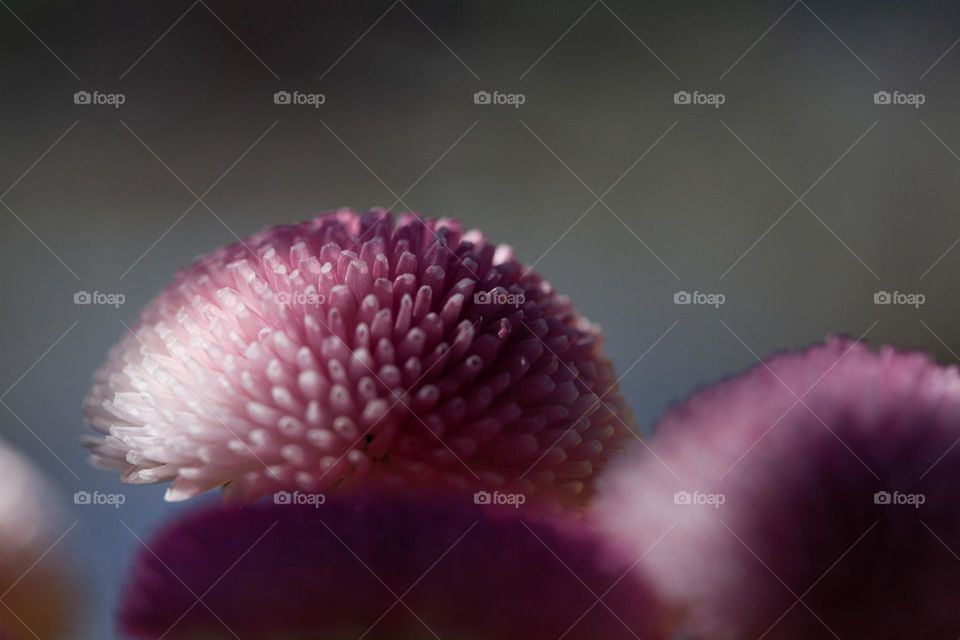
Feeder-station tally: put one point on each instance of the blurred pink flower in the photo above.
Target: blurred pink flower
(832, 515)
(350, 351)
(381, 569)
(35, 585)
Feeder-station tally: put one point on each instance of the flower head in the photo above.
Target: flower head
(349, 351)
(376, 568)
(813, 496)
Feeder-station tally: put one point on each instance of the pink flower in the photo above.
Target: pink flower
(35, 587)
(813, 496)
(349, 351)
(338, 569)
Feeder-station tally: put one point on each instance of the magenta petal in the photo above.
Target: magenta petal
(280, 571)
(848, 499)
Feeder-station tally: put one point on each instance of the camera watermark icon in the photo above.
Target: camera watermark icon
(896, 498)
(499, 296)
(697, 98)
(96, 498)
(300, 298)
(496, 98)
(697, 297)
(514, 500)
(899, 98)
(897, 297)
(297, 98)
(114, 100)
(100, 298)
(299, 498)
(699, 499)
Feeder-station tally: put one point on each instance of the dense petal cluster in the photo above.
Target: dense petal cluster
(381, 569)
(350, 350)
(813, 496)
(33, 574)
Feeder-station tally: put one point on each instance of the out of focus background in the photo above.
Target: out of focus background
(787, 169)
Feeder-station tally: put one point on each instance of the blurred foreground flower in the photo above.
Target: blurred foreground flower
(381, 569)
(349, 351)
(34, 586)
(816, 495)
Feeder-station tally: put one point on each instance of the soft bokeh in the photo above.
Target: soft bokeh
(814, 495)
(38, 589)
(383, 569)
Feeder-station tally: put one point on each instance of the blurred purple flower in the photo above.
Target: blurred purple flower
(815, 495)
(347, 350)
(387, 569)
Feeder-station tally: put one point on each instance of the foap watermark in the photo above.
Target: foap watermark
(299, 498)
(514, 500)
(896, 498)
(511, 99)
(300, 298)
(698, 297)
(114, 100)
(499, 296)
(297, 98)
(100, 298)
(96, 498)
(898, 297)
(698, 98)
(699, 499)
(899, 98)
